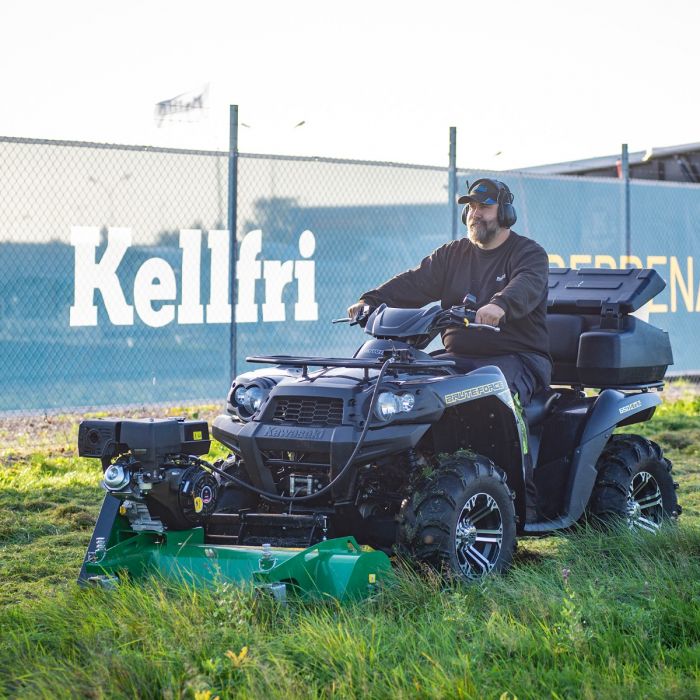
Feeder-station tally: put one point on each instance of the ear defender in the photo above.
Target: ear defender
(506, 211)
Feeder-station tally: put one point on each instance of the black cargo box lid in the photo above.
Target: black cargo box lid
(584, 291)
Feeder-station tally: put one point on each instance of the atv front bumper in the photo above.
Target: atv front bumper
(250, 441)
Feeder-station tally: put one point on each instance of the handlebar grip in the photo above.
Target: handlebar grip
(483, 325)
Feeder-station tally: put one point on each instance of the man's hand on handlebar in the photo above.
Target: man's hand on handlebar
(489, 315)
(356, 310)
(359, 313)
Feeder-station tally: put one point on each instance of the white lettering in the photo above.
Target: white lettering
(466, 394)
(155, 281)
(306, 308)
(91, 276)
(191, 310)
(248, 269)
(219, 306)
(147, 290)
(277, 275)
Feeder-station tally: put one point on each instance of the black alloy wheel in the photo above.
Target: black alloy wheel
(634, 485)
(461, 518)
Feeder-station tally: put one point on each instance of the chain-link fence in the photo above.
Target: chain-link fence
(78, 222)
(116, 269)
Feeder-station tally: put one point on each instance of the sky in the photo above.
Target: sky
(524, 82)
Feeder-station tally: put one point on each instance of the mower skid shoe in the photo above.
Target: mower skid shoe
(101, 534)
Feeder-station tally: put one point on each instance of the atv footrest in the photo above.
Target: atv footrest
(277, 529)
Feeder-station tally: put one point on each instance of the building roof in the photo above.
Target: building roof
(586, 165)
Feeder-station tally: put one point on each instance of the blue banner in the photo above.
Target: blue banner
(96, 314)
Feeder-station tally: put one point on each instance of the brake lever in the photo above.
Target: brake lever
(352, 321)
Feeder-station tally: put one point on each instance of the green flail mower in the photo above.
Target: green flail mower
(159, 507)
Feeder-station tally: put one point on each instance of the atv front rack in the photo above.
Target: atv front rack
(351, 363)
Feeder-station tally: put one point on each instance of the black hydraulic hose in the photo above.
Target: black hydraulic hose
(341, 473)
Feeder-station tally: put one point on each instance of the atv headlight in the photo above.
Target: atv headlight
(407, 401)
(238, 395)
(389, 404)
(249, 398)
(253, 398)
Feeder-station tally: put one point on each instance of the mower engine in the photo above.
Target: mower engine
(151, 466)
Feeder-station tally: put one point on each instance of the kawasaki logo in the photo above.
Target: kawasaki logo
(293, 433)
(466, 394)
(155, 285)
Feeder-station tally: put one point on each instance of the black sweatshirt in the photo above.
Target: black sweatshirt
(513, 276)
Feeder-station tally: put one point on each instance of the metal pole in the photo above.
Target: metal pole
(231, 224)
(626, 178)
(452, 185)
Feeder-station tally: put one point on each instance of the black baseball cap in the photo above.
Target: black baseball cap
(484, 191)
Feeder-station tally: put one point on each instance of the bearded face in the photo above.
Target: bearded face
(482, 224)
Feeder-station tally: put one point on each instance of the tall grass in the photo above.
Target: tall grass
(586, 615)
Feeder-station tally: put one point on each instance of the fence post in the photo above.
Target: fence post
(452, 186)
(231, 224)
(626, 178)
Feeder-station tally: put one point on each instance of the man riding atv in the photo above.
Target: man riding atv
(403, 450)
(507, 275)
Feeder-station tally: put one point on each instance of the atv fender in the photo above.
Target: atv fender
(465, 393)
(613, 407)
(610, 409)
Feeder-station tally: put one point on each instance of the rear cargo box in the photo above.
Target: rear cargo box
(594, 340)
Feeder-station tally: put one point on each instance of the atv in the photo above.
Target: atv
(396, 449)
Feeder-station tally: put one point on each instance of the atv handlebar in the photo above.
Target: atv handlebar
(458, 315)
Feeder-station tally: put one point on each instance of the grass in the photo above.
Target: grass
(582, 615)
